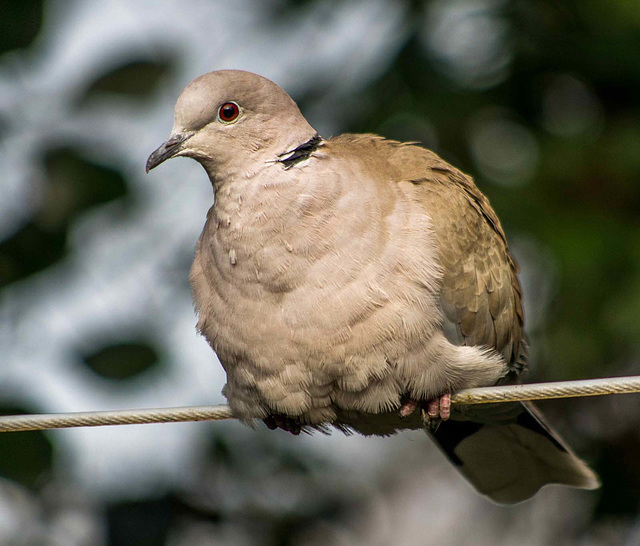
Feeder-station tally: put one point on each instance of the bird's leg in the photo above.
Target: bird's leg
(284, 422)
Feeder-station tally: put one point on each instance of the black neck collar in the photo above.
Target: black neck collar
(302, 152)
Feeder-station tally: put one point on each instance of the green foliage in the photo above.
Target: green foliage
(123, 360)
(620, 475)
(72, 185)
(136, 79)
(21, 22)
(25, 457)
(31, 249)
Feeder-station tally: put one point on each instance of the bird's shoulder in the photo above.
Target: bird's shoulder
(393, 161)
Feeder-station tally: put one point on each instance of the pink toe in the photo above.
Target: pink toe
(445, 406)
(408, 408)
(433, 408)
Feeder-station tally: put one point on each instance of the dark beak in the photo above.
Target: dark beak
(169, 149)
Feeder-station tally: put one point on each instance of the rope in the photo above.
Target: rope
(485, 395)
(548, 391)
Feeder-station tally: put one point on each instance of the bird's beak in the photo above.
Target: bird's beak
(167, 150)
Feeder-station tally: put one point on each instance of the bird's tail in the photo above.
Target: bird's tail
(508, 452)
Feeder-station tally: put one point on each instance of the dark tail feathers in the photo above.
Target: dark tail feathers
(508, 453)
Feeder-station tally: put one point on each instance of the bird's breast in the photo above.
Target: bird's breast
(314, 287)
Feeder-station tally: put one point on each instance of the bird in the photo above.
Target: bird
(354, 283)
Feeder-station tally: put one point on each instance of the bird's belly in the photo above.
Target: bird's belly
(317, 347)
(307, 326)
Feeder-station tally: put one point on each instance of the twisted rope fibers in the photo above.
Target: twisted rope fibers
(484, 395)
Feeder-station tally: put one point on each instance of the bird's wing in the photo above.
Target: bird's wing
(481, 298)
(506, 450)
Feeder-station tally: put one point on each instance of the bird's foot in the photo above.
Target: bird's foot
(439, 408)
(436, 410)
(433, 411)
(284, 422)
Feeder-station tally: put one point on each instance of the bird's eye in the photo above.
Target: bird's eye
(228, 112)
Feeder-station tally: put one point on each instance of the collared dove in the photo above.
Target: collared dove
(357, 282)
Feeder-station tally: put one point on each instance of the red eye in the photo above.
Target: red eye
(228, 112)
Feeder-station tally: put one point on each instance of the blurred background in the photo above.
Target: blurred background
(539, 100)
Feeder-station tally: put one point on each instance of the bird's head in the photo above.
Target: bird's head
(229, 120)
